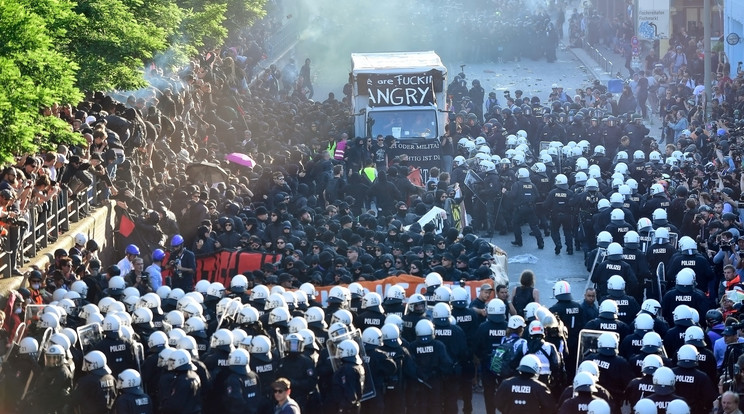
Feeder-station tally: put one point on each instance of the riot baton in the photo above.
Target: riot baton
(425, 383)
(598, 258)
(28, 384)
(44, 340)
(661, 279)
(20, 330)
(498, 208)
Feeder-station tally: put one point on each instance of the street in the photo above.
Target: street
(534, 78)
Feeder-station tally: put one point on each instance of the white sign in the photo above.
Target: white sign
(436, 215)
(653, 19)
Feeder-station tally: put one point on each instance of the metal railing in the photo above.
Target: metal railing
(602, 61)
(283, 39)
(46, 223)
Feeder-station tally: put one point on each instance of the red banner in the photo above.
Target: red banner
(126, 225)
(223, 265)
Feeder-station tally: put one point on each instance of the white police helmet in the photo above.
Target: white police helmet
(562, 290)
(424, 330)
(496, 310)
(372, 336)
(529, 364)
(598, 407)
(678, 406)
(664, 380)
(645, 406)
(687, 356)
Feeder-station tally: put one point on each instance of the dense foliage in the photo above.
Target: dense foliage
(52, 50)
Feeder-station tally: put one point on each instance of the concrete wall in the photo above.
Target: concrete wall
(98, 225)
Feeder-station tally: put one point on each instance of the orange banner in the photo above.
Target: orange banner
(411, 284)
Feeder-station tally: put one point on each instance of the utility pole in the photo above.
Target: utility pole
(706, 53)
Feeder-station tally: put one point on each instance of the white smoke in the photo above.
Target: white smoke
(336, 29)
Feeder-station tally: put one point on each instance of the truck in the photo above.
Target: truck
(403, 95)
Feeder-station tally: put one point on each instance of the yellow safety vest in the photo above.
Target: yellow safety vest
(370, 173)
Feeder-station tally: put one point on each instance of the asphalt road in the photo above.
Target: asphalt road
(533, 78)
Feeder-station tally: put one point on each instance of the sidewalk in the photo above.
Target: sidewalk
(597, 71)
(596, 65)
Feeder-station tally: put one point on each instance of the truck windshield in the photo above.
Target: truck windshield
(403, 124)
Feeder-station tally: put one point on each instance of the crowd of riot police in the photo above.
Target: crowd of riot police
(513, 31)
(221, 349)
(659, 230)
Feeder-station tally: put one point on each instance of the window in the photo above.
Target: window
(403, 125)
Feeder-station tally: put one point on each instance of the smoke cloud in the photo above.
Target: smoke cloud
(333, 30)
(337, 29)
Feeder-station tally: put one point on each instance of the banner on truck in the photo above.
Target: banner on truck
(420, 153)
(410, 89)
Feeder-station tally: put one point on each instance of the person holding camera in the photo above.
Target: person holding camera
(182, 263)
(98, 170)
(138, 277)
(678, 124)
(726, 254)
(12, 221)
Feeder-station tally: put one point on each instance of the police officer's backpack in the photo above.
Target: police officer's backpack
(502, 358)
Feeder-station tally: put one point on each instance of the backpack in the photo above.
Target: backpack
(502, 358)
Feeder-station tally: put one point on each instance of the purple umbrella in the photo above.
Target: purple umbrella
(240, 159)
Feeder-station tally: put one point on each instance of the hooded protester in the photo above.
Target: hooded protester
(385, 194)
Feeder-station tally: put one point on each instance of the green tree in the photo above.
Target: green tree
(111, 45)
(32, 75)
(50, 50)
(239, 13)
(203, 28)
(113, 40)
(243, 13)
(207, 24)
